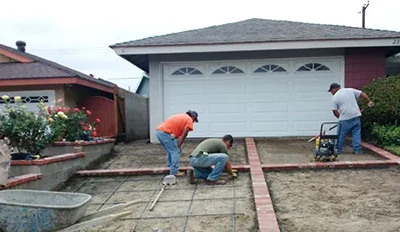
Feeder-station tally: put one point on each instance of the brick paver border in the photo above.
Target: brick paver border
(267, 221)
(18, 180)
(143, 171)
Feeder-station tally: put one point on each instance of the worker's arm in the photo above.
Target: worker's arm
(367, 99)
(228, 168)
(336, 113)
(183, 137)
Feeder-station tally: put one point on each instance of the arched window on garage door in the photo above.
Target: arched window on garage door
(270, 68)
(228, 70)
(186, 71)
(313, 67)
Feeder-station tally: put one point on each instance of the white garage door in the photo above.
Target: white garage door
(253, 98)
(31, 99)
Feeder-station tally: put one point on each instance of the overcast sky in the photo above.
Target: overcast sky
(77, 33)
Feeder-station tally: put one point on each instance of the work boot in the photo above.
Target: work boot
(179, 174)
(190, 176)
(215, 182)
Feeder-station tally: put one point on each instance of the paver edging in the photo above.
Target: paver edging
(23, 179)
(142, 171)
(48, 160)
(267, 221)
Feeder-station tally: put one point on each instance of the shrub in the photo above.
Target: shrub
(385, 93)
(71, 125)
(387, 135)
(26, 130)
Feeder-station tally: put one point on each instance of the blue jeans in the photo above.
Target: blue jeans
(202, 165)
(346, 126)
(170, 146)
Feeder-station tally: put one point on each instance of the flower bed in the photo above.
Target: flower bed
(31, 132)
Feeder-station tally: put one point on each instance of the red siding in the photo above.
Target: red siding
(102, 108)
(363, 65)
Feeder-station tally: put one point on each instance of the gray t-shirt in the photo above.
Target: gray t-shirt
(345, 101)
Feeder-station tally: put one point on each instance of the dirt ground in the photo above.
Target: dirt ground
(182, 207)
(140, 154)
(346, 200)
(273, 151)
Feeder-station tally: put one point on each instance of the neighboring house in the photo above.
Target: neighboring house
(257, 77)
(393, 65)
(143, 87)
(35, 79)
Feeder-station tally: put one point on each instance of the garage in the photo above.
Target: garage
(257, 98)
(31, 99)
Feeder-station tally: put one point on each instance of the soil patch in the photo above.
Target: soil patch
(345, 200)
(273, 151)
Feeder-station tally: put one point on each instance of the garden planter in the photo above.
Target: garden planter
(95, 151)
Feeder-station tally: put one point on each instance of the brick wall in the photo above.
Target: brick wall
(363, 65)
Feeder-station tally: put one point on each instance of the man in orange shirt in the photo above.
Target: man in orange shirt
(174, 128)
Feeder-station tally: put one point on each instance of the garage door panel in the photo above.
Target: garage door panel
(268, 87)
(312, 116)
(270, 97)
(307, 127)
(181, 89)
(222, 118)
(308, 106)
(280, 126)
(228, 98)
(227, 108)
(238, 88)
(191, 99)
(182, 108)
(271, 117)
(229, 127)
(259, 107)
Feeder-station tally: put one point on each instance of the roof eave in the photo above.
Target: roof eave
(254, 46)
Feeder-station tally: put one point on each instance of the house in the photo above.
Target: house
(36, 79)
(143, 87)
(258, 77)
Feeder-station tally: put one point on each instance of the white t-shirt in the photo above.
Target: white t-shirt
(345, 101)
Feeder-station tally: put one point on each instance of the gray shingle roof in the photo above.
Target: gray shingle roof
(40, 68)
(261, 30)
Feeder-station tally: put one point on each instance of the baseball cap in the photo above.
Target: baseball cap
(333, 86)
(194, 114)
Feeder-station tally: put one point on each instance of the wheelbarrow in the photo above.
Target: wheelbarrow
(43, 211)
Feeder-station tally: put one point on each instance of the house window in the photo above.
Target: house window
(313, 67)
(28, 99)
(269, 68)
(228, 70)
(186, 71)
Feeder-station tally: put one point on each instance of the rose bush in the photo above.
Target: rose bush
(28, 131)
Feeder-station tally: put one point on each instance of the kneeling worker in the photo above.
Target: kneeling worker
(207, 153)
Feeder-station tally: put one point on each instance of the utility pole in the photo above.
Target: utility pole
(364, 8)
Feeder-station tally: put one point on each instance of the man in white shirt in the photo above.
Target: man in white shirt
(345, 108)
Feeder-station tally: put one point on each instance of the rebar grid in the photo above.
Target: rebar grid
(152, 191)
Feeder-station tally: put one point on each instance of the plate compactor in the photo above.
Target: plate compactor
(325, 143)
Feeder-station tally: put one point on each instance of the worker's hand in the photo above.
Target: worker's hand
(370, 104)
(234, 175)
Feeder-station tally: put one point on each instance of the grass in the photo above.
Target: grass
(394, 149)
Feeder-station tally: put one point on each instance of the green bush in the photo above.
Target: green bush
(385, 93)
(387, 135)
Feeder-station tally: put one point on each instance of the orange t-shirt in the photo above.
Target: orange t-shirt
(176, 124)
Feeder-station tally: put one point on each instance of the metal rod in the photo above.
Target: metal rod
(115, 190)
(182, 216)
(190, 206)
(234, 207)
(155, 200)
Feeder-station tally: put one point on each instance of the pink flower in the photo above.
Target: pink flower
(83, 108)
(77, 110)
(49, 110)
(85, 128)
(67, 110)
(59, 109)
(98, 120)
(88, 112)
(60, 100)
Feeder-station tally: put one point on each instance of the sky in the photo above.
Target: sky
(78, 34)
